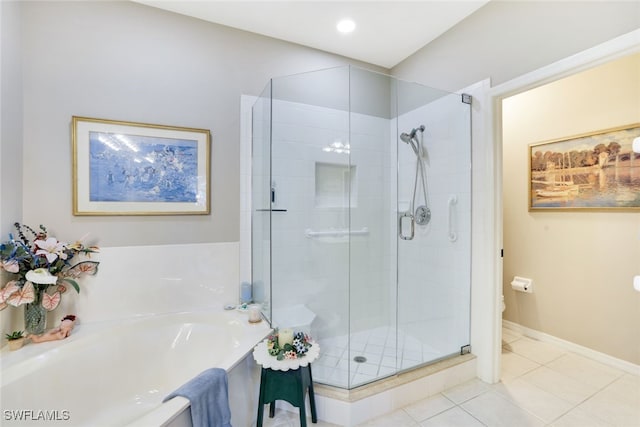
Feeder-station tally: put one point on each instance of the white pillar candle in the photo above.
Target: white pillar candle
(254, 313)
(285, 336)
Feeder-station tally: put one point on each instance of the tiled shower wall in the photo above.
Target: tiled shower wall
(335, 274)
(315, 271)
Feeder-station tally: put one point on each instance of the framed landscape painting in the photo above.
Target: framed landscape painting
(126, 168)
(594, 171)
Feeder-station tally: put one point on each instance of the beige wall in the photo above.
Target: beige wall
(582, 263)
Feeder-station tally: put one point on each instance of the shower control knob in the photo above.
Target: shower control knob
(423, 215)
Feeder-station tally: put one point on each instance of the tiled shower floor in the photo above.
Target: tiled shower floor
(384, 352)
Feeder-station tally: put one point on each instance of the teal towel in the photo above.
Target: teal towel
(209, 397)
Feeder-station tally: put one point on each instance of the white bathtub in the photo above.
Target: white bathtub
(116, 374)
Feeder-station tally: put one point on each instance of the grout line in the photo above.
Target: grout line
(473, 416)
(366, 338)
(573, 406)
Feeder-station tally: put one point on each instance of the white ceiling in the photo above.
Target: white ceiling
(386, 31)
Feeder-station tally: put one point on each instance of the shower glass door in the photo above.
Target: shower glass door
(434, 224)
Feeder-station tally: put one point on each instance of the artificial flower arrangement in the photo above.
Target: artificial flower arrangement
(288, 345)
(39, 262)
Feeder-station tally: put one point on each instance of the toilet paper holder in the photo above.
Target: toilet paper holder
(522, 284)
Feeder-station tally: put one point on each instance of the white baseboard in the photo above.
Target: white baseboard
(606, 359)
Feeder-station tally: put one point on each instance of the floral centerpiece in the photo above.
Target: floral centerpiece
(41, 269)
(288, 345)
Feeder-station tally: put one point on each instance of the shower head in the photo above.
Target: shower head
(406, 137)
(409, 140)
(410, 137)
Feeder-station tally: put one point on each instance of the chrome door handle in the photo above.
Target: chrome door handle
(400, 226)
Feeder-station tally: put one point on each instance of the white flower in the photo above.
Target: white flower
(41, 276)
(10, 265)
(50, 248)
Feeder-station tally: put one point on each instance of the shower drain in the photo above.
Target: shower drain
(359, 359)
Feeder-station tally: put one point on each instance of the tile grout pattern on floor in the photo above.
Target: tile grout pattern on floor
(383, 350)
(541, 385)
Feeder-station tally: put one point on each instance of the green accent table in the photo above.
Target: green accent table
(291, 386)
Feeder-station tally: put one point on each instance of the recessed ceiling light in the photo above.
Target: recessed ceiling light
(346, 26)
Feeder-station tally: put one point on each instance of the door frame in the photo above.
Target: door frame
(627, 44)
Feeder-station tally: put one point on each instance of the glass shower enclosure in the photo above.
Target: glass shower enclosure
(361, 219)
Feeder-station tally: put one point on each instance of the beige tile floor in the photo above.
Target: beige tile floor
(542, 385)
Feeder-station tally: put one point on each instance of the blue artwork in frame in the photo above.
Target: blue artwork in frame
(126, 168)
(158, 170)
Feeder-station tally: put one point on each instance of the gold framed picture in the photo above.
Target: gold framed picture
(593, 171)
(127, 168)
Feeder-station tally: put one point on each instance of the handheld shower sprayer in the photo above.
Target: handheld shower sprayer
(421, 214)
(410, 138)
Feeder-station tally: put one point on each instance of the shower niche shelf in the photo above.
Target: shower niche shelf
(336, 185)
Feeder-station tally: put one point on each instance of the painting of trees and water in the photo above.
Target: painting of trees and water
(132, 168)
(593, 171)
